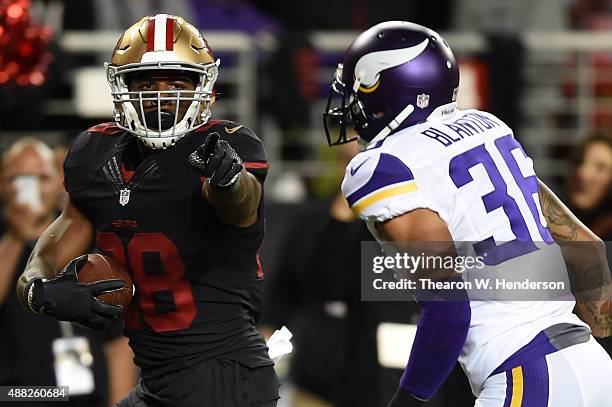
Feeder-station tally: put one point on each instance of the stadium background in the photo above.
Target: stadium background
(544, 67)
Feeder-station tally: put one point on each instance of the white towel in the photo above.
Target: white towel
(280, 344)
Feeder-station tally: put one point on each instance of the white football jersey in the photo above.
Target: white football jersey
(469, 169)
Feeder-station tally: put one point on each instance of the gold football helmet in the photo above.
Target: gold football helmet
(162, 43)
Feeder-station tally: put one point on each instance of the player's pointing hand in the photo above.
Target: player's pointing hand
(217, 161)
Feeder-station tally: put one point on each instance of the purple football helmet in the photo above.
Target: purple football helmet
(394, 75)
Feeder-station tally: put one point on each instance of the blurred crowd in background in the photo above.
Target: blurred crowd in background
(544, 67)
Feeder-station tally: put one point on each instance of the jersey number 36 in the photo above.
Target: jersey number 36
(506, 146)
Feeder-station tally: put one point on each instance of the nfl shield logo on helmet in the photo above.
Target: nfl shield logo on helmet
(124, 197)
(422, 100)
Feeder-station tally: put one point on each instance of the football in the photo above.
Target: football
(99, 267)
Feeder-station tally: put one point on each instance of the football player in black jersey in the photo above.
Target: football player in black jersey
(177, 198)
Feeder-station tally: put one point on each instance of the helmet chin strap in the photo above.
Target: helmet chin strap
(393, 124)
(358, 79)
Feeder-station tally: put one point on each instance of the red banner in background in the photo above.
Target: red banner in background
(473, 90)
(24, 45)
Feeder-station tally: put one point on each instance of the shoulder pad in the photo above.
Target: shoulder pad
(87, 153)
(380, 185)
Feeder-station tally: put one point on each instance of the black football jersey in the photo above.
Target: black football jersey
(197, 280)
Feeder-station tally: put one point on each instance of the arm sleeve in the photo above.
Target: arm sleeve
(441, 334)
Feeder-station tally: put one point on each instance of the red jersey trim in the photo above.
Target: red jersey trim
(210, 124)
(256, 166)
(108, 129)
(260, 273)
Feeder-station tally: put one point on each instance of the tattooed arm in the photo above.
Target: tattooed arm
(585, 256)
(562, 223)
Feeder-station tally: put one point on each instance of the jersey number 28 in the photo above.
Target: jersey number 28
(165, 298)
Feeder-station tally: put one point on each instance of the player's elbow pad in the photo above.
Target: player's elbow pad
(441, 334)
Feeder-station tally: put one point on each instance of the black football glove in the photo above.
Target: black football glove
(67, 300)
(217, 161)
(402, 398)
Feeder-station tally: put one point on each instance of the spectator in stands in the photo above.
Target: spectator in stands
(589, 191)
(103, 372)
(590, 182)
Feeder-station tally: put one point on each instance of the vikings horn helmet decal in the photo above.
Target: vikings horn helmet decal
(162, 43)
(372, 64)
(381, 77)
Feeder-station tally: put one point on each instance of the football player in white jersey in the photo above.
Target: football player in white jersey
(429, 172)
